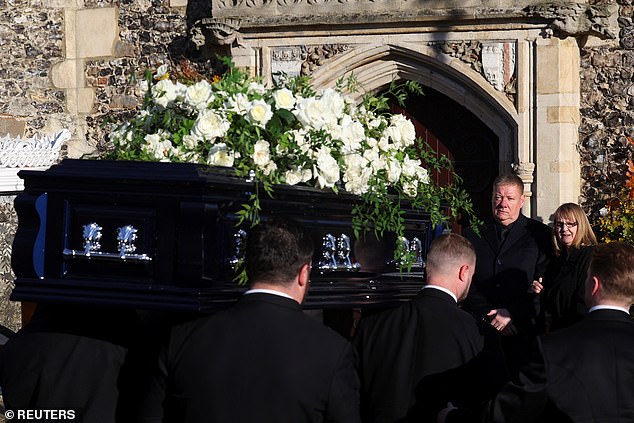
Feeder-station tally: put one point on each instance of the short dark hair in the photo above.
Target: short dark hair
(276, 250)
(449, 250)
(612, 264)
(509, 179)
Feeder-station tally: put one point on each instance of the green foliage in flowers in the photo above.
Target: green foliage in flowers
(290, 134)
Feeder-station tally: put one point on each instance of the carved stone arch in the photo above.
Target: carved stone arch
(376, 66)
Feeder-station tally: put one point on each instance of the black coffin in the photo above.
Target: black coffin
(163, 236)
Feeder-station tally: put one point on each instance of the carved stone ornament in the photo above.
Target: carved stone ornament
(575, 19)
(315, 56)
(216, 31)
(493, 60)
(287, 60)
(498, 64)
(525, 171)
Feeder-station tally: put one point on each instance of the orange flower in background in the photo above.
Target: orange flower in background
(630, 174)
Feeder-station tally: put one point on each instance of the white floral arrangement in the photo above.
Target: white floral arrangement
(290, 134)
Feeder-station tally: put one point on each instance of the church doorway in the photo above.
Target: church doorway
(451, 129)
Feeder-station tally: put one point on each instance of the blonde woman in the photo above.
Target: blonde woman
(562, 289)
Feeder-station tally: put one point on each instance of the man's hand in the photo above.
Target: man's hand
(536, 287)
(502, 321)
(442, 414)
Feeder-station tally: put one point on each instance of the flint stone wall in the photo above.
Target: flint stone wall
(607, 111)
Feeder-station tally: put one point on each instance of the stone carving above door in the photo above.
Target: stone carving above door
(215, 31)
(495, 61)
(317, 55)
(303, 60)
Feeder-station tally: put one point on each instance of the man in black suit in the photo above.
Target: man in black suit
(262, 360)
(512, 251)
(68, 362)
(583, 373)
(407, 354)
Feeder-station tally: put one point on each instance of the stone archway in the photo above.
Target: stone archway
(489, 111)
(537, 131)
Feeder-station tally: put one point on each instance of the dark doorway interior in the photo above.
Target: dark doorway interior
(453, 130)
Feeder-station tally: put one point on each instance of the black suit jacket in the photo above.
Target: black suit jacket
(408, 357)
(504, 272)
(263, 360)
(68, 358)
(564, 296)
(581, 374)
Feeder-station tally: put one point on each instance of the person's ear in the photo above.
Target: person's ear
(522, 200)
(304, 274)
(463, 273)
(596, 285)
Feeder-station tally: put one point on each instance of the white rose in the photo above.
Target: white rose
(210, 125)
(158, 147)
(190, 141)
(422, 175)
(603, 212)
(284, 99)
(333, 102)
(293, 176)
(261, 154)
(357, 174)
(351, 132)
(180, 90)
(375, 123)
(164, 92)
(401, 130)
(377, 161)
(199, 95)
(259, 113)
(269, 168)
(239, 103)
(256, 88)
(413, 169)
(307, 175)
(327, 169)
(409, 167)
(152, 139)
(410, 188)
(393, 170)
(384, 143)
(219, 155)
(372, 143)
(310, 113)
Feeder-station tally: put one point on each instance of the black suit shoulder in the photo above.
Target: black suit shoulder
(262, 358)
(429, 307)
